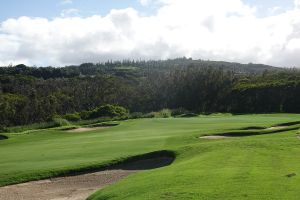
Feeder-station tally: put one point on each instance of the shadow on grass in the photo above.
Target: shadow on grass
(256, 130)
(247, 132)
(253, 128)
(147, 161)
(3, 137)
(102, 125)
(289, 123)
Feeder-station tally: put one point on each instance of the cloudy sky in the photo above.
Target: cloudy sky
(65, 32)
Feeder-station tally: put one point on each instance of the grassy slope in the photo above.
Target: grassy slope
(238, 168)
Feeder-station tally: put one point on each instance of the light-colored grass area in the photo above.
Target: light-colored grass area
(253, 167)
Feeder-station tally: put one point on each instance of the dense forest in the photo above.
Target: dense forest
(36, 94)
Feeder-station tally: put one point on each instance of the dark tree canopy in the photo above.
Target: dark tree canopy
(32, 94)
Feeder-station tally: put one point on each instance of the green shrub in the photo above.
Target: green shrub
(137, 115)
(73, 117)
(149, 115)
(109, 111)
(165, 113)
(189, 115)
(179, 111)
(85, 114)
(3, 129)
(61, 122)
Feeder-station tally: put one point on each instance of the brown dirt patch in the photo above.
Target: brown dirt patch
(77, 187)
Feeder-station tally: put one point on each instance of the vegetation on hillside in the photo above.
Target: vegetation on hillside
(30, 94)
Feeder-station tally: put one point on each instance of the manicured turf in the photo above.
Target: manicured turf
(253, 167)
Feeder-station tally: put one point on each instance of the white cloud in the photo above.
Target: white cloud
(207, 29)
(69, 12)
(275, 10)
(145, 2)
(64, 2)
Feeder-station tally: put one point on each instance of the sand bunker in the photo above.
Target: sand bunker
(214, 137)
(276, 127)
(67, 188)
(78, 187)
(80, 130)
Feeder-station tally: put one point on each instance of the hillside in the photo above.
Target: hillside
(37, 94)
(128, 68)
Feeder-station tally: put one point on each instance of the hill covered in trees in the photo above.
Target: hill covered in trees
(36, 94)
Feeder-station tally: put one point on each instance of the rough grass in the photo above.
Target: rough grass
(42, 125)
(59, 123)
(253, 167)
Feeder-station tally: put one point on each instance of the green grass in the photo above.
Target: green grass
(253, 167)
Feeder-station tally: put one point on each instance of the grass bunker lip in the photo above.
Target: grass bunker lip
(252, 128)
(145, 161)
(288, 123)
(254, 131)
(138, 162)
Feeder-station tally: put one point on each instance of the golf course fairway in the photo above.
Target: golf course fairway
(264, 164)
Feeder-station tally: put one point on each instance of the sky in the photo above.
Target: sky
(66, 32)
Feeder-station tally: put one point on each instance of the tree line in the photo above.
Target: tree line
(36, 94)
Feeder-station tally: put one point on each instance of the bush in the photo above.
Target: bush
(189, 115)
(85, 114)
(179, 111)
(60, 121)
(74, 117)
(109, 111)
(137, 115)
(150, 115)
(3, 129)
(165, 113)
